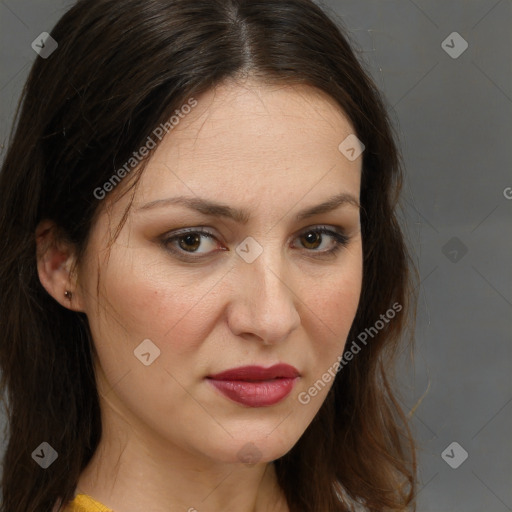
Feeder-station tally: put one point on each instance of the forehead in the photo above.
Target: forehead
(253, 140)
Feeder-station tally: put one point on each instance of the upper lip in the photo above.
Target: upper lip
(257, 373)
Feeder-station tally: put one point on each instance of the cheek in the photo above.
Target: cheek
(337, 294)
(172, 307)
(330, 310)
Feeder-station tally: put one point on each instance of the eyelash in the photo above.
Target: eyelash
(340, 240)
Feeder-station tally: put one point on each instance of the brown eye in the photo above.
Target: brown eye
(190, 241)
(193, 243)
(312, 239)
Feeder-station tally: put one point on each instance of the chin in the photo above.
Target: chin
(260, 448)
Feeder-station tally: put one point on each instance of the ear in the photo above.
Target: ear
(55, 266)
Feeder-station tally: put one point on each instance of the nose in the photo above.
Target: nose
(264, 302)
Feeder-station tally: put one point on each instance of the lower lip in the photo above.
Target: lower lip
(255, 394)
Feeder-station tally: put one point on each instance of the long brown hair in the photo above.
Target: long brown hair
(120, 70)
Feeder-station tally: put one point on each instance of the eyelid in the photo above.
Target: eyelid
(341, 239)
(166, 240)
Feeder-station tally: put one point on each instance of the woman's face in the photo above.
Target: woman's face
(175, 309)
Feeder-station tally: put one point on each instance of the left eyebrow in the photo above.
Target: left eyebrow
(215, 209)
(332, 203)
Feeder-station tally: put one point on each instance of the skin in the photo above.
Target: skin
(170, 440)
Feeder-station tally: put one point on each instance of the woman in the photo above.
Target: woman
(203, 281)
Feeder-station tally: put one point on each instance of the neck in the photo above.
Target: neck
(133, 469)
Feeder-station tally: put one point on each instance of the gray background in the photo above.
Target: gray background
(453, 117)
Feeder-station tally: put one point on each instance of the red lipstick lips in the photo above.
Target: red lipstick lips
(255, 386)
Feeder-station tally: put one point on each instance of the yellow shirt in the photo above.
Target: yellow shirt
(84, 503)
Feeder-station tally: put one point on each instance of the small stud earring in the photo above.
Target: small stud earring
(68, 294)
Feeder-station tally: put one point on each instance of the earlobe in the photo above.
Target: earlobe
(55, 259)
